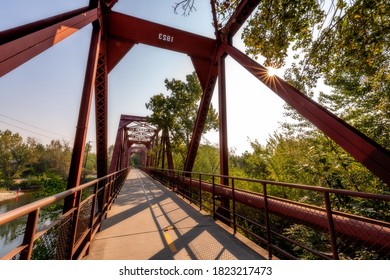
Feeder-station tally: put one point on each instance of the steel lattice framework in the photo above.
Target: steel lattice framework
(114, 34)
(134, 134)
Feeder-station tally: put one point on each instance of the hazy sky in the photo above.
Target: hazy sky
(41, 98)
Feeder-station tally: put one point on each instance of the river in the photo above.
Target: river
(11, 233)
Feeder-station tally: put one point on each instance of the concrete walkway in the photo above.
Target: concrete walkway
(147, 221)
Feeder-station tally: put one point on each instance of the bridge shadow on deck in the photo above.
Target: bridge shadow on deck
(147, 221)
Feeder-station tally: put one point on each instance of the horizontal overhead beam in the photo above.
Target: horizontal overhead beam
(126, 119)
(137, 30)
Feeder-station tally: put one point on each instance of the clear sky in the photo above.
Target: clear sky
(41, 98)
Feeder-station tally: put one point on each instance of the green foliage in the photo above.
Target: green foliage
(346, 43)
(52, 158)
(30, 159)
(318, 240)
(278, 24)
(207, 159)
(89, 164)
(51, 184)
(14, 155)
(224, 9)
(177, 112)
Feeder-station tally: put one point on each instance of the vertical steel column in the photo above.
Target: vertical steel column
(223, 141)
(85, 107)
(163, 150)
(101, 119)
(148, 154)
(101, 112)
(168, 150)
(116, 153)
(125, 147)
(127, 155)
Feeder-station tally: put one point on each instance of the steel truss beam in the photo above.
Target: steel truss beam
(362, 148)
(223, 141)
(124, 141)
(84, 113)
(157, 35)
(201, 117)
(202, 51)
(20, 44)
(239, 17)
(101, 100)
(208, 71)
(117, 152)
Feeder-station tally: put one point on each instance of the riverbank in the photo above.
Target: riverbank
(6, 195)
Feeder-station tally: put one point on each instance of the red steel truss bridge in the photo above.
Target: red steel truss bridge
(257, 221)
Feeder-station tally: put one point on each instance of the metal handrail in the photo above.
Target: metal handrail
(284, 184)
(112, 185)
(374, 232)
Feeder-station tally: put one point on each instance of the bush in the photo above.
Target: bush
(51, 185)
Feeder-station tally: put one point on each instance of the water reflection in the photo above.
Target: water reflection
(11, 234)
(10, 204)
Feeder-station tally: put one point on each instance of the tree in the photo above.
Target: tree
(187, 7)
(89, 161)
(14, 155)
(36, 164)
(278, 25)
(207, 160)
(57, 158)
(351, 54)
(177, 112)
(347, 45)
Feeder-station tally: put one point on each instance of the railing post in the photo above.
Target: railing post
(267, 222)
(29, 234)
(74, 225)
(175, 179)
(110, 184)
(234, 207)
(213, 180)
(332, 232)
(189, 190)
(181, 180)
(93, 209)
(200, 192)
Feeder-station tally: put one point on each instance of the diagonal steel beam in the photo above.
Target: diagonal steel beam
(240, 15)
(20, 44)
(101, 112)
(201, 117)
(123, 142)
(84, 113)
(116, 50)
(116, 154)
(362, 148)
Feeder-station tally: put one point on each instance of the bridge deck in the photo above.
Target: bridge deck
(147, 221)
